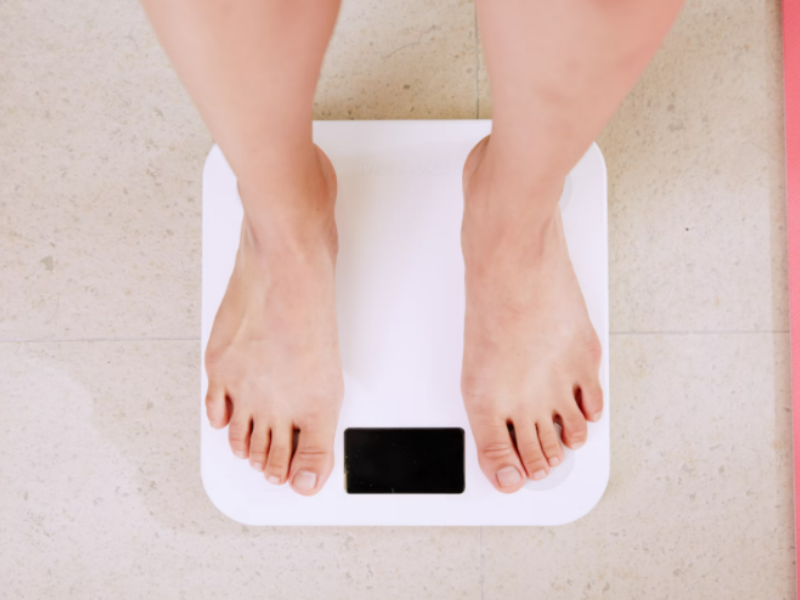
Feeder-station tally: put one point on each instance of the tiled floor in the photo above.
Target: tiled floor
(100, 160)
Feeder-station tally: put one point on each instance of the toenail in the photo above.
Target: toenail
(508, 476)
(238, 453)
(596, 416)
(554, 461)
(273, 479)
(576, 445)
(258, 466)
(541, 474)
(305, 480)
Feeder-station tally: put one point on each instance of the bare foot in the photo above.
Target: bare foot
(272, 358)
(531, 355)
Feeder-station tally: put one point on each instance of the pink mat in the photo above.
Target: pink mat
(791, 66)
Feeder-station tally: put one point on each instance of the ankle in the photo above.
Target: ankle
(520, 176)
(290, 244)
(293, 180)
(492, 247)
(500, 196)
(290, 207)
(510, 215)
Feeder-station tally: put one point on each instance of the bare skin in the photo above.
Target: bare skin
(558, 71)
(275, 378)
(531, 355)
(275, 325)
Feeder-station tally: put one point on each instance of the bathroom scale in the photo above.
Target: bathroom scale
(404, 451)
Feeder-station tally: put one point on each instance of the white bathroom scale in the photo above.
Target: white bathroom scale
(400, 300)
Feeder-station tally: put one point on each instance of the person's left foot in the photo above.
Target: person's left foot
(531, 355)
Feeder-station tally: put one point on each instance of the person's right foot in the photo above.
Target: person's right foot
(272, 359)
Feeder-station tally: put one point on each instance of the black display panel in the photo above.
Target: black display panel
(404, 460)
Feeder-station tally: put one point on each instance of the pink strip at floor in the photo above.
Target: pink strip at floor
(791, 65)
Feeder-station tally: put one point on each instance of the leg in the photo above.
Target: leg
(251, 68)
(558, 71)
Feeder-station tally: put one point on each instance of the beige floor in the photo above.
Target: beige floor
(100, 160)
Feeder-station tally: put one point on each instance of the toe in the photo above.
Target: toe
(239, 433)
(591, 395)
(216, 406)
(530, 451)
(312, 462)
(279, 453)
(497, 456)
(258, 444)
(573, 426)
(550, 445)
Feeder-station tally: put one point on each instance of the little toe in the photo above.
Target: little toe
(279, 454)
(530, 450)
(497, 456)
(551, 446)
(592, 401)
(312, 462)
(573, 426)
(216, 406)
(258, 445)
(239, 433)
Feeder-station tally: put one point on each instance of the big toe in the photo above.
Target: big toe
(312, 462)
(497, 456)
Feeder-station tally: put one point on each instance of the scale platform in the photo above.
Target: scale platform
(400, 303)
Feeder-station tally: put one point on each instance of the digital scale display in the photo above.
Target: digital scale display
(404, 460)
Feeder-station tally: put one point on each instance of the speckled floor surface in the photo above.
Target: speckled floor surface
(101, 153)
